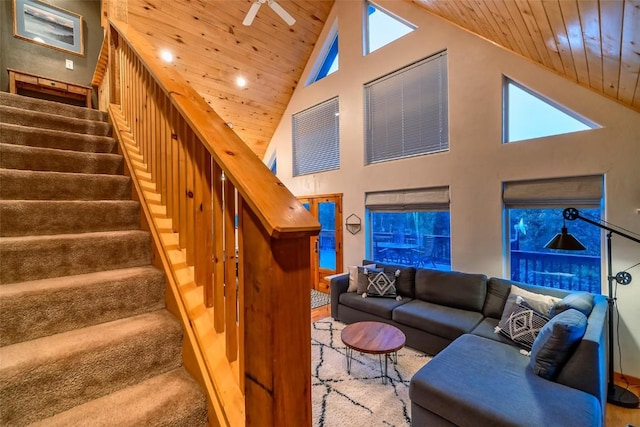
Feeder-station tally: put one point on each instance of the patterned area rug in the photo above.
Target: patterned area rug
(358, 399)
(318, 299)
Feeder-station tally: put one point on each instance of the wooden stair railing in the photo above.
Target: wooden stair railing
(233, 240)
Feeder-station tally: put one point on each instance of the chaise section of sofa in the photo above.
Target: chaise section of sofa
(479, 377)
(480, 382)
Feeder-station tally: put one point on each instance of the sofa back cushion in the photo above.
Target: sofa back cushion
(451, 288)
(404, 282)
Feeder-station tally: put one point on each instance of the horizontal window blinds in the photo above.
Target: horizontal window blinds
(406, 112)
(316, 139)
(424, 198)
(582, 191)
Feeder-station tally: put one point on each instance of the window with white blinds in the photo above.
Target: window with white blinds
(406, 112)
(316, 139)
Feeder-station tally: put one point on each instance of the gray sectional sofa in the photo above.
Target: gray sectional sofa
(479, 377)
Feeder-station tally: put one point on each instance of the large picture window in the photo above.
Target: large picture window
(316, 139)
(534, 216)
(406, 112)
(410, 227)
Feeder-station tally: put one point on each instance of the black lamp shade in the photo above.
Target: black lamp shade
(565, 241)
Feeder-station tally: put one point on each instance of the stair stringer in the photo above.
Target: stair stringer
(203, 347)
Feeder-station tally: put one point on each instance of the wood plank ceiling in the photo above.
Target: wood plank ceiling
(595, 43)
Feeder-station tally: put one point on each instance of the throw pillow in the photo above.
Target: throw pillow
(523, 325)
(353, 276)
(581, 301)
(381, 284)
(539, 302)
(363, 280)
(556, 342)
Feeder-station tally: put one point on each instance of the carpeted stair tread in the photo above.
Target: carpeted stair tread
(41, 257)
(45, 376)
(37, 185)
(169, 399)
(18, 116)
(49, 217)
(39, 308)
(61, 140)
(84, 338)
(23, 157)
(45, 106)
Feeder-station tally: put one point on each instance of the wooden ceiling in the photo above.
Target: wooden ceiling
(212, 48)
(595, 43)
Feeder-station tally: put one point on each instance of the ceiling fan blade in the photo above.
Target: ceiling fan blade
(286, 16)
(253, 11)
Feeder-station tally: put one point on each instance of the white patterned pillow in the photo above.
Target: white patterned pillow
(523, 325)
(382, 284)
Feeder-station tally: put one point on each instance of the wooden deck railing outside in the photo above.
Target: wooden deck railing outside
(233, 240)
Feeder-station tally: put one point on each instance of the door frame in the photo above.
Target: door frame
(318, 275)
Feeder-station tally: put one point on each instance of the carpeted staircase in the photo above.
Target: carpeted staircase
(85, 338)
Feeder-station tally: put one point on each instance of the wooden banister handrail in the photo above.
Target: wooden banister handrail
(232, 240)
(277, 209)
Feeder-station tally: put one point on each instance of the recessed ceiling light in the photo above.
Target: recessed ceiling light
(166, 56)
(241, 81)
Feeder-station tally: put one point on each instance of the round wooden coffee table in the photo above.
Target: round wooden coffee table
(373, 338)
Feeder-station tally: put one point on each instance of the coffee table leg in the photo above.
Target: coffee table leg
(383, 372)
(349, 354)
(384, 378)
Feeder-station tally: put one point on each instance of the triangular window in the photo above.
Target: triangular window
(529, 115)
(328, 60)
(383, 28)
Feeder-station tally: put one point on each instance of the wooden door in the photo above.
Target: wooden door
(326, 247)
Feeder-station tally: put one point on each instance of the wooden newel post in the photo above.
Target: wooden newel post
(277, 330)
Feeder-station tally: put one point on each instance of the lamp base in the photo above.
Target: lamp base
(622, 397)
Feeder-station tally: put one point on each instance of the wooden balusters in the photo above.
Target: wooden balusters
(245, 236)
(218, 251)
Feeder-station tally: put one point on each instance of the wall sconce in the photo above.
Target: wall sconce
(353, 223)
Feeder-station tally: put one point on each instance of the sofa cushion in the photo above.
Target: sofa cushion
(381, 284)
(381, 307)
(581, 301)
(499, 289)
(523, 325)
(363, 278)
(451, 288)
(353, 276)
(480, 382)
(487, 329)
(497, 293)
(556, 341)
(440, 320)
(542, 303)
(405, 281)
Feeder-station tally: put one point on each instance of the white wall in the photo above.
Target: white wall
(477, 163)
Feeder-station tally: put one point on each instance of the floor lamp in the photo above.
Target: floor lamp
(616, 395)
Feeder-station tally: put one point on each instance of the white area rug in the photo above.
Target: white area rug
(358, 399)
